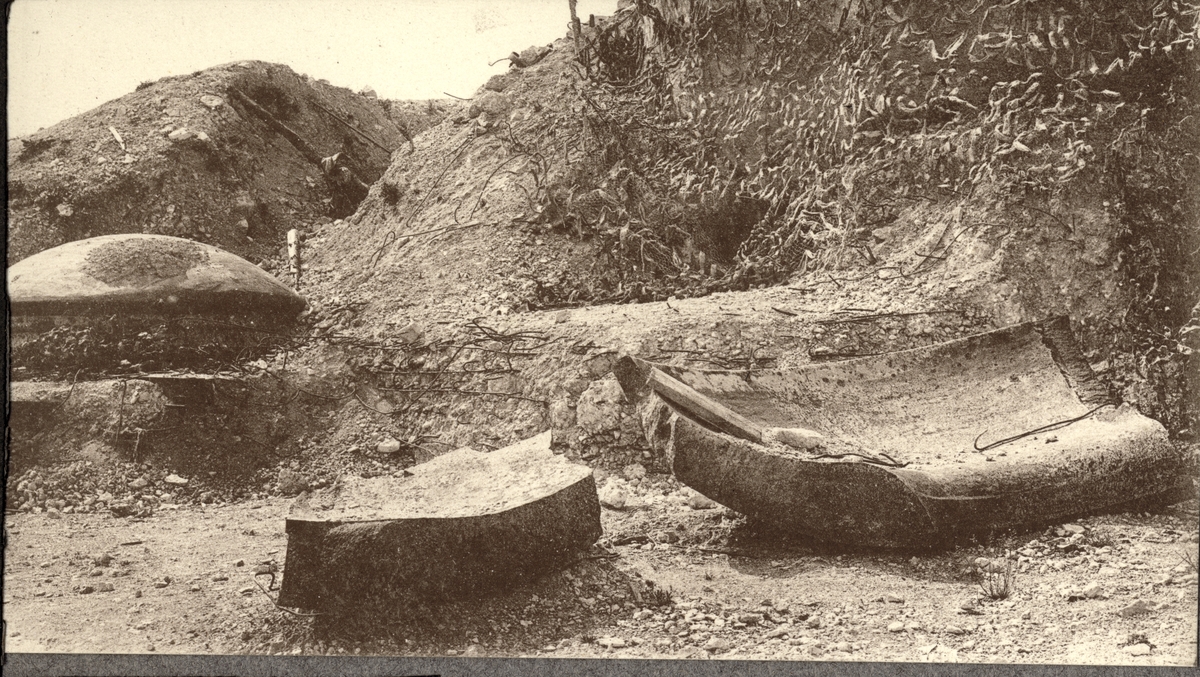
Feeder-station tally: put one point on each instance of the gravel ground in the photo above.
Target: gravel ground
(673, 577)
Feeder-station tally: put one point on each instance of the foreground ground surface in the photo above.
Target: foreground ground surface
(1105, 590)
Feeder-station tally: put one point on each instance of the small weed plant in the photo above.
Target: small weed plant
(998, 581)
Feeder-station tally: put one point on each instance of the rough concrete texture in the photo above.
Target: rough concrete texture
(144, 274)
(926, 409)
(463, 524)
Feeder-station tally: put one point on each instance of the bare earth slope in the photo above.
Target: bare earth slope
(239, 186)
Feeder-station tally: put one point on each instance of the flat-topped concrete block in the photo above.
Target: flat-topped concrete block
(463, 524)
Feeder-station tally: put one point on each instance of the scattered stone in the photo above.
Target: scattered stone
(181, 134)
(895, 626)
(750, 619)
(248, 590)
(893, 598)
(139, 483)
(780, 631)
(1073, 529)
(388, 446)
(634, 471)
(219, 579)
(106, 587)
(194, 588)
(611, 642)
(1093, 590)
(1138, 608)
(844, 647)
(698, 501)
(612, 496)
(87, 590)
(954, 630)
(990, 566)
(716, 644)
(1138, 650)
(175, 479)
(913, 626)
(291, 482)
(102, 560)
(161, 584)
(599, 407)
(212, 101)
(240, 563)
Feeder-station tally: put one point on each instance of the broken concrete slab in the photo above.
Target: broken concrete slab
(461, 525)
(921, 447)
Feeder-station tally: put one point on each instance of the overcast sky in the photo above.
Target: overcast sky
(69, 56)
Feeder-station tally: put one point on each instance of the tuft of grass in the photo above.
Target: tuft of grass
(998, 583)
(660, 597)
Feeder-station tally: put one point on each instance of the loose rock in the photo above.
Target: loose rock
(1138, 608)
(1138, 650)
(717, 644)
(388, 446)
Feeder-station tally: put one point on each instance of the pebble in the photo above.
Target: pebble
(87, 590)
(1138, 650)
(779, 632)
(194, 588)
(750, 619)
(139, 483)
(893, 598)
(160, 584)
(895, 626)
(844, 647)
(716, 644)
(634, 471)
(175, 479)
(700, 502)
(1136, 609)
(1093, 590)
(611, 496)
(611, 642)
(388, 446)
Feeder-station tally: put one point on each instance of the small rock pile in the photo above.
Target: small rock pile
(126, 490)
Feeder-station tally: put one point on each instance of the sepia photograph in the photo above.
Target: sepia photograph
(665, 334)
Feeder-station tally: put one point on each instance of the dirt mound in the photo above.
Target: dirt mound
(922, 190)
(182, 156)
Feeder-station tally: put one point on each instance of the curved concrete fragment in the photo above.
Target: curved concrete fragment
(998, 430)
(462, 524)
(138, 274)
